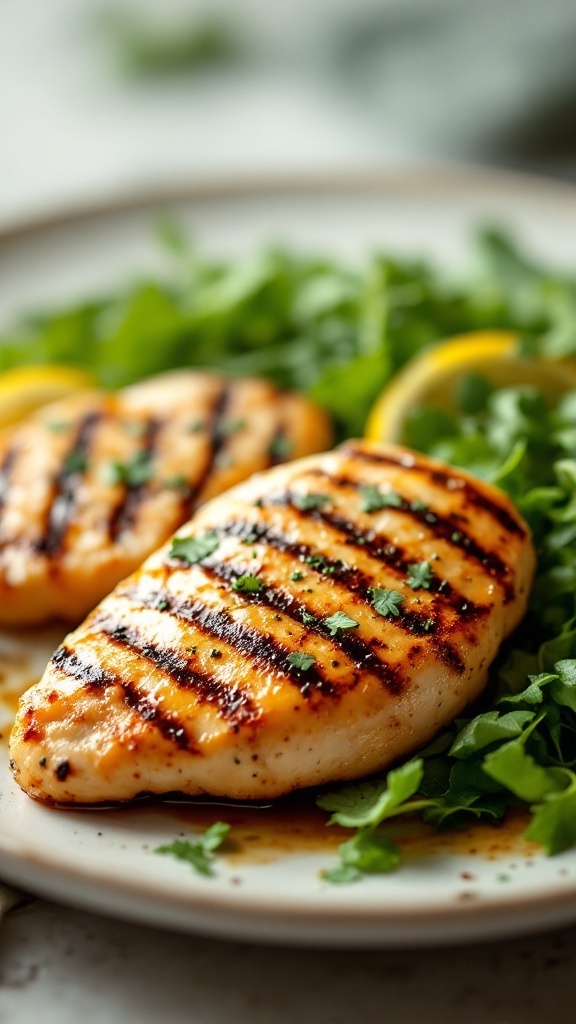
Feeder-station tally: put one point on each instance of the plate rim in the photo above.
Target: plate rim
(433, 181)
(291, 906)
(411, 179)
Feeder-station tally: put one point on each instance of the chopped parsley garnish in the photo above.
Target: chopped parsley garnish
(308, 619)
(194, 549)
(215, 653)
(226, 427)
(298, 575)
(310, 501)
(162, 605)
(200, 853)
(420, 576)
(75, 462)
(175, 483)
(281, 447)
(57, 426)
(386, 602)
(321, 564)
(251, 537)
(248, 584)
(135, 428)
(372, 498)
(135, 472)
(301, 661)
(456, 537)
(339, 620)
(418, 506)
(195, 426)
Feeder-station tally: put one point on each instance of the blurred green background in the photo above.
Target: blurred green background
(97, 96)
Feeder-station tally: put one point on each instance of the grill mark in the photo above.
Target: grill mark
(233, 703)
(217, 440)
(219, 625)
(95, 677)
(61, 509)
(448, 480)
(358, 650)
(358, 583)
(446, 528)
(377, 546)
(124, 516)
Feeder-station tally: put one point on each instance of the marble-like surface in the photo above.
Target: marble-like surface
(59, 966)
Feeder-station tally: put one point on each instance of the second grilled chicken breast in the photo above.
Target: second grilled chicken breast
(311, 625)
(90, 486)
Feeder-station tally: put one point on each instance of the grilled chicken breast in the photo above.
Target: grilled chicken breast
(90, 486)
(311, 625)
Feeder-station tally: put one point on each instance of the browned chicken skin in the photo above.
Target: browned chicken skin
(90, 486)
(223, 666)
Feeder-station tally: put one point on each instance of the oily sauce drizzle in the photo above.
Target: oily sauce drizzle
(294, 825)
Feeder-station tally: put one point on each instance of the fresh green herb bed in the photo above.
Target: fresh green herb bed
(340, 334)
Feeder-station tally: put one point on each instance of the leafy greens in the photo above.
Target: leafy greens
(521, 749)
(314, 324)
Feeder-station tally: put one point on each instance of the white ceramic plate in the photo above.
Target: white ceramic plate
(104, 860)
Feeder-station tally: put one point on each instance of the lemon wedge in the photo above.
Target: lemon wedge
(26, 388)
(433, 378)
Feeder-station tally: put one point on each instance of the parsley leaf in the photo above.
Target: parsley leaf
(419, 576)
(322, 565)
(515, 768)
(369, 803)
(200, 853)
(227, 427)
(386, 602)
(194, 549)
(136, 472)
(368, 852)
(310, 501)
(75, 462)
(175, 483)
(57, 426)
(308, 619)
(281, 448)
(248, 584)
(339, 620)
(487, 729)
(372, 498)
(301, 661)
(554, 820)
(364, 806)
(135, 428)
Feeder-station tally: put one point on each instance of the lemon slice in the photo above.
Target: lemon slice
(26, 388)
(433, 378)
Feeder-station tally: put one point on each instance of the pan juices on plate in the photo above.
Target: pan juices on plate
(313, 624)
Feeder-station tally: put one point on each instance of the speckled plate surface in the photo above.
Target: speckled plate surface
(270, 888)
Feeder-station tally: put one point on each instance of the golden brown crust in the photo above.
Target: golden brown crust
(185, 676)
